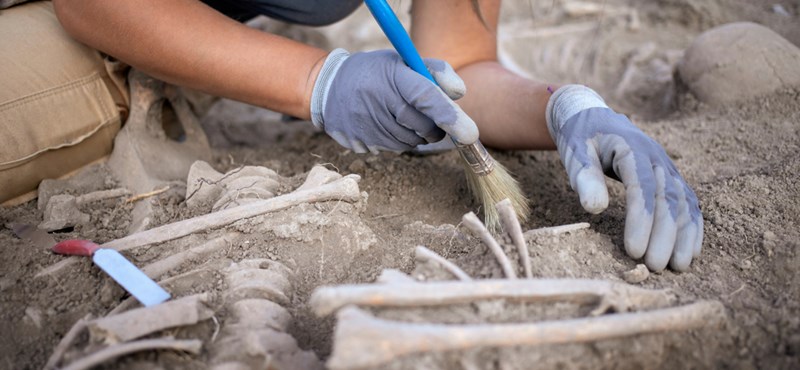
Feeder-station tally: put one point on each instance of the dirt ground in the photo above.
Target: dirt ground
(742, 159)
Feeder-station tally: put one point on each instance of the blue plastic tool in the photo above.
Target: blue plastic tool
(398, 36)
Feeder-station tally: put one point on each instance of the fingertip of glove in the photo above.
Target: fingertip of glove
(592, 192)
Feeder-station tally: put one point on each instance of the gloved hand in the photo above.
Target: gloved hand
(372, 101)
(663, 221)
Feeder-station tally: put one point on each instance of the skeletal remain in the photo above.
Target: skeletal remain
(192, 346)
(258, 283)
(259, 313)
(473, 223)
(361, 340)
(255, 337)
(639, 274)
(622, 297)
(556, 230)
(142, 321)
(65, 342)
(344, 189)
(392, 276)
(425, 254)
(318, 176)
(510, 223)
(157, 269)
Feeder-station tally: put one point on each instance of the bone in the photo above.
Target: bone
(556, 230)
(387, 340)
(143, 321)
(344, 189)
(65, 342)
(326, 300)
(260, 313)
(392, 276)
(245, 283)
(425, 254)
(157, 269)
(318, 176)
(508, 218)
(473, 223)
(192, 346)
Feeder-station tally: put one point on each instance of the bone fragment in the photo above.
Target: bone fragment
(326, 300)
(637, 275)
(65, 342)
(318, 176)
(143, 321)
(192, 346)
(392, 276)
(344, 189)
(556, 230)
(473, 223)
(425, 254)
(157, 269)
(361, 340)
(508, 218)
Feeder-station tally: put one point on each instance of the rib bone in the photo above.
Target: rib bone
(622, 297)
(508, 218)
(473, 223)
(362, 340)
(345, 189)
(425, 254)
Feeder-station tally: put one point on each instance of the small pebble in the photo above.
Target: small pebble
(357, 166)
(637, 275)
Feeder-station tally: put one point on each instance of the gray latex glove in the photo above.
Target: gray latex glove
(372, 101)
(663, 221)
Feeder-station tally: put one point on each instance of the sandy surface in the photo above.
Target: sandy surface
(742, 160)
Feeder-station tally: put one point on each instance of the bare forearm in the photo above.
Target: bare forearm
(509, 109)
(185, 42)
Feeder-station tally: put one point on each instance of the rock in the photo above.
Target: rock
(62, 212)
(639, 274)
(739, 61)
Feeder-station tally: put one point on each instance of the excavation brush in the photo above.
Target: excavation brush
(489, 181)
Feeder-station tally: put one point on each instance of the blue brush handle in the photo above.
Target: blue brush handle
(398, 36)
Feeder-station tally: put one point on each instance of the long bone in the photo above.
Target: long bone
(344, 189)
(620, 296)
(473, 223)
(362, 340)
(508, 218)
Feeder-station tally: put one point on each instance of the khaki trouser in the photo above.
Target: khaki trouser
(61, 102)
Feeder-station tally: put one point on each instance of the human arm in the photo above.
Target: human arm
(187, 43)
(663, 224)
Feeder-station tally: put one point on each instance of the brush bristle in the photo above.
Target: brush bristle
(492, 188)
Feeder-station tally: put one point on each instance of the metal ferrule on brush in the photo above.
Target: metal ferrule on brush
(477, 157)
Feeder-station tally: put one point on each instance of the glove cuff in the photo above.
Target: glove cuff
(319, 95)
(568, 101)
